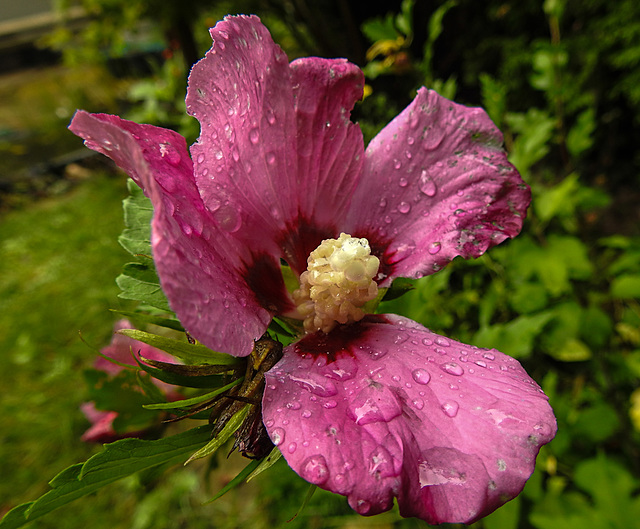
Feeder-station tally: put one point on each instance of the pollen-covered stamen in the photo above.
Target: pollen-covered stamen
(337, 283)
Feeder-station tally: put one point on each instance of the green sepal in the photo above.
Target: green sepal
(312, 488)
(242, 475)
(177, 379)
(234, 423)
(185, 403)
(265, 463)
(115, 461)
(142, 318)
(150, 389)
(190, 353)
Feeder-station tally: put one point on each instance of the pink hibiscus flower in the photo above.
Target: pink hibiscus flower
(369, 406)
(120, 348)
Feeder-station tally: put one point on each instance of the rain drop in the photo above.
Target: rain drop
(434, 248)
(452, 368)
(440, 340)
(277, 436)
(271, 158)
(404, 207)
(254, 136)
(403, 182)
(330, 404)
(315, 469)
(292, 448)
(421, 376)
(427, 185)
(489, 356)
(450, 408)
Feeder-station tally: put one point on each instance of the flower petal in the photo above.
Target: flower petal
(436, 184)
(245, 162)
(278, 157)
(451, 430)
(330, 150)
(202, 271)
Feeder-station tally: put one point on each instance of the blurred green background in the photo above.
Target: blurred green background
(561, 78)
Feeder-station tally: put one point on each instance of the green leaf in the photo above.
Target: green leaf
(180, 379)
(185, 403)
(117, 460)
(515, 338)
(610, 485)
(626, 286)
(138, 211)
(506, 517)
(596, 423)
(378, 29)
(190, 353)
(534, 129)
(143, 317)
(228, 430)
(139, 282)
(580, 137)
(266, 463)
(239, 479)
(557, 200)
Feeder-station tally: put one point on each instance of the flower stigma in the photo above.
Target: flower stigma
(337, 283)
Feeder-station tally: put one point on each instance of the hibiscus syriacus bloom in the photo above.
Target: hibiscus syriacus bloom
(120, 349)
(369, 406)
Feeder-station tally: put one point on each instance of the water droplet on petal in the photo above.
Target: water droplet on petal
(306, 414)
(427, 185)
(294, 405)
(404, 207)
(228, 218)
(315, 470)
(441, 340)
(434, 248)
(277, 436)
(450, 408)
(421, 376)
(360, 506)
(330, 404)
(489, 356)
(418, 404)
(200, 158)
(403, 182)
(254, 136)
(317, 384)
(452, 368)
(292, 447)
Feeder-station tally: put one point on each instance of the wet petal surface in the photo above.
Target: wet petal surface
(277, 156)
(202, 271)
(384, 408)
(436, 184)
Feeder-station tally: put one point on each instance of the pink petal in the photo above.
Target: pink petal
(436, 184)
(450, 430)
(330, 150)
(245, 155)
(276, 146)
(202, 271)
(101, 429)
